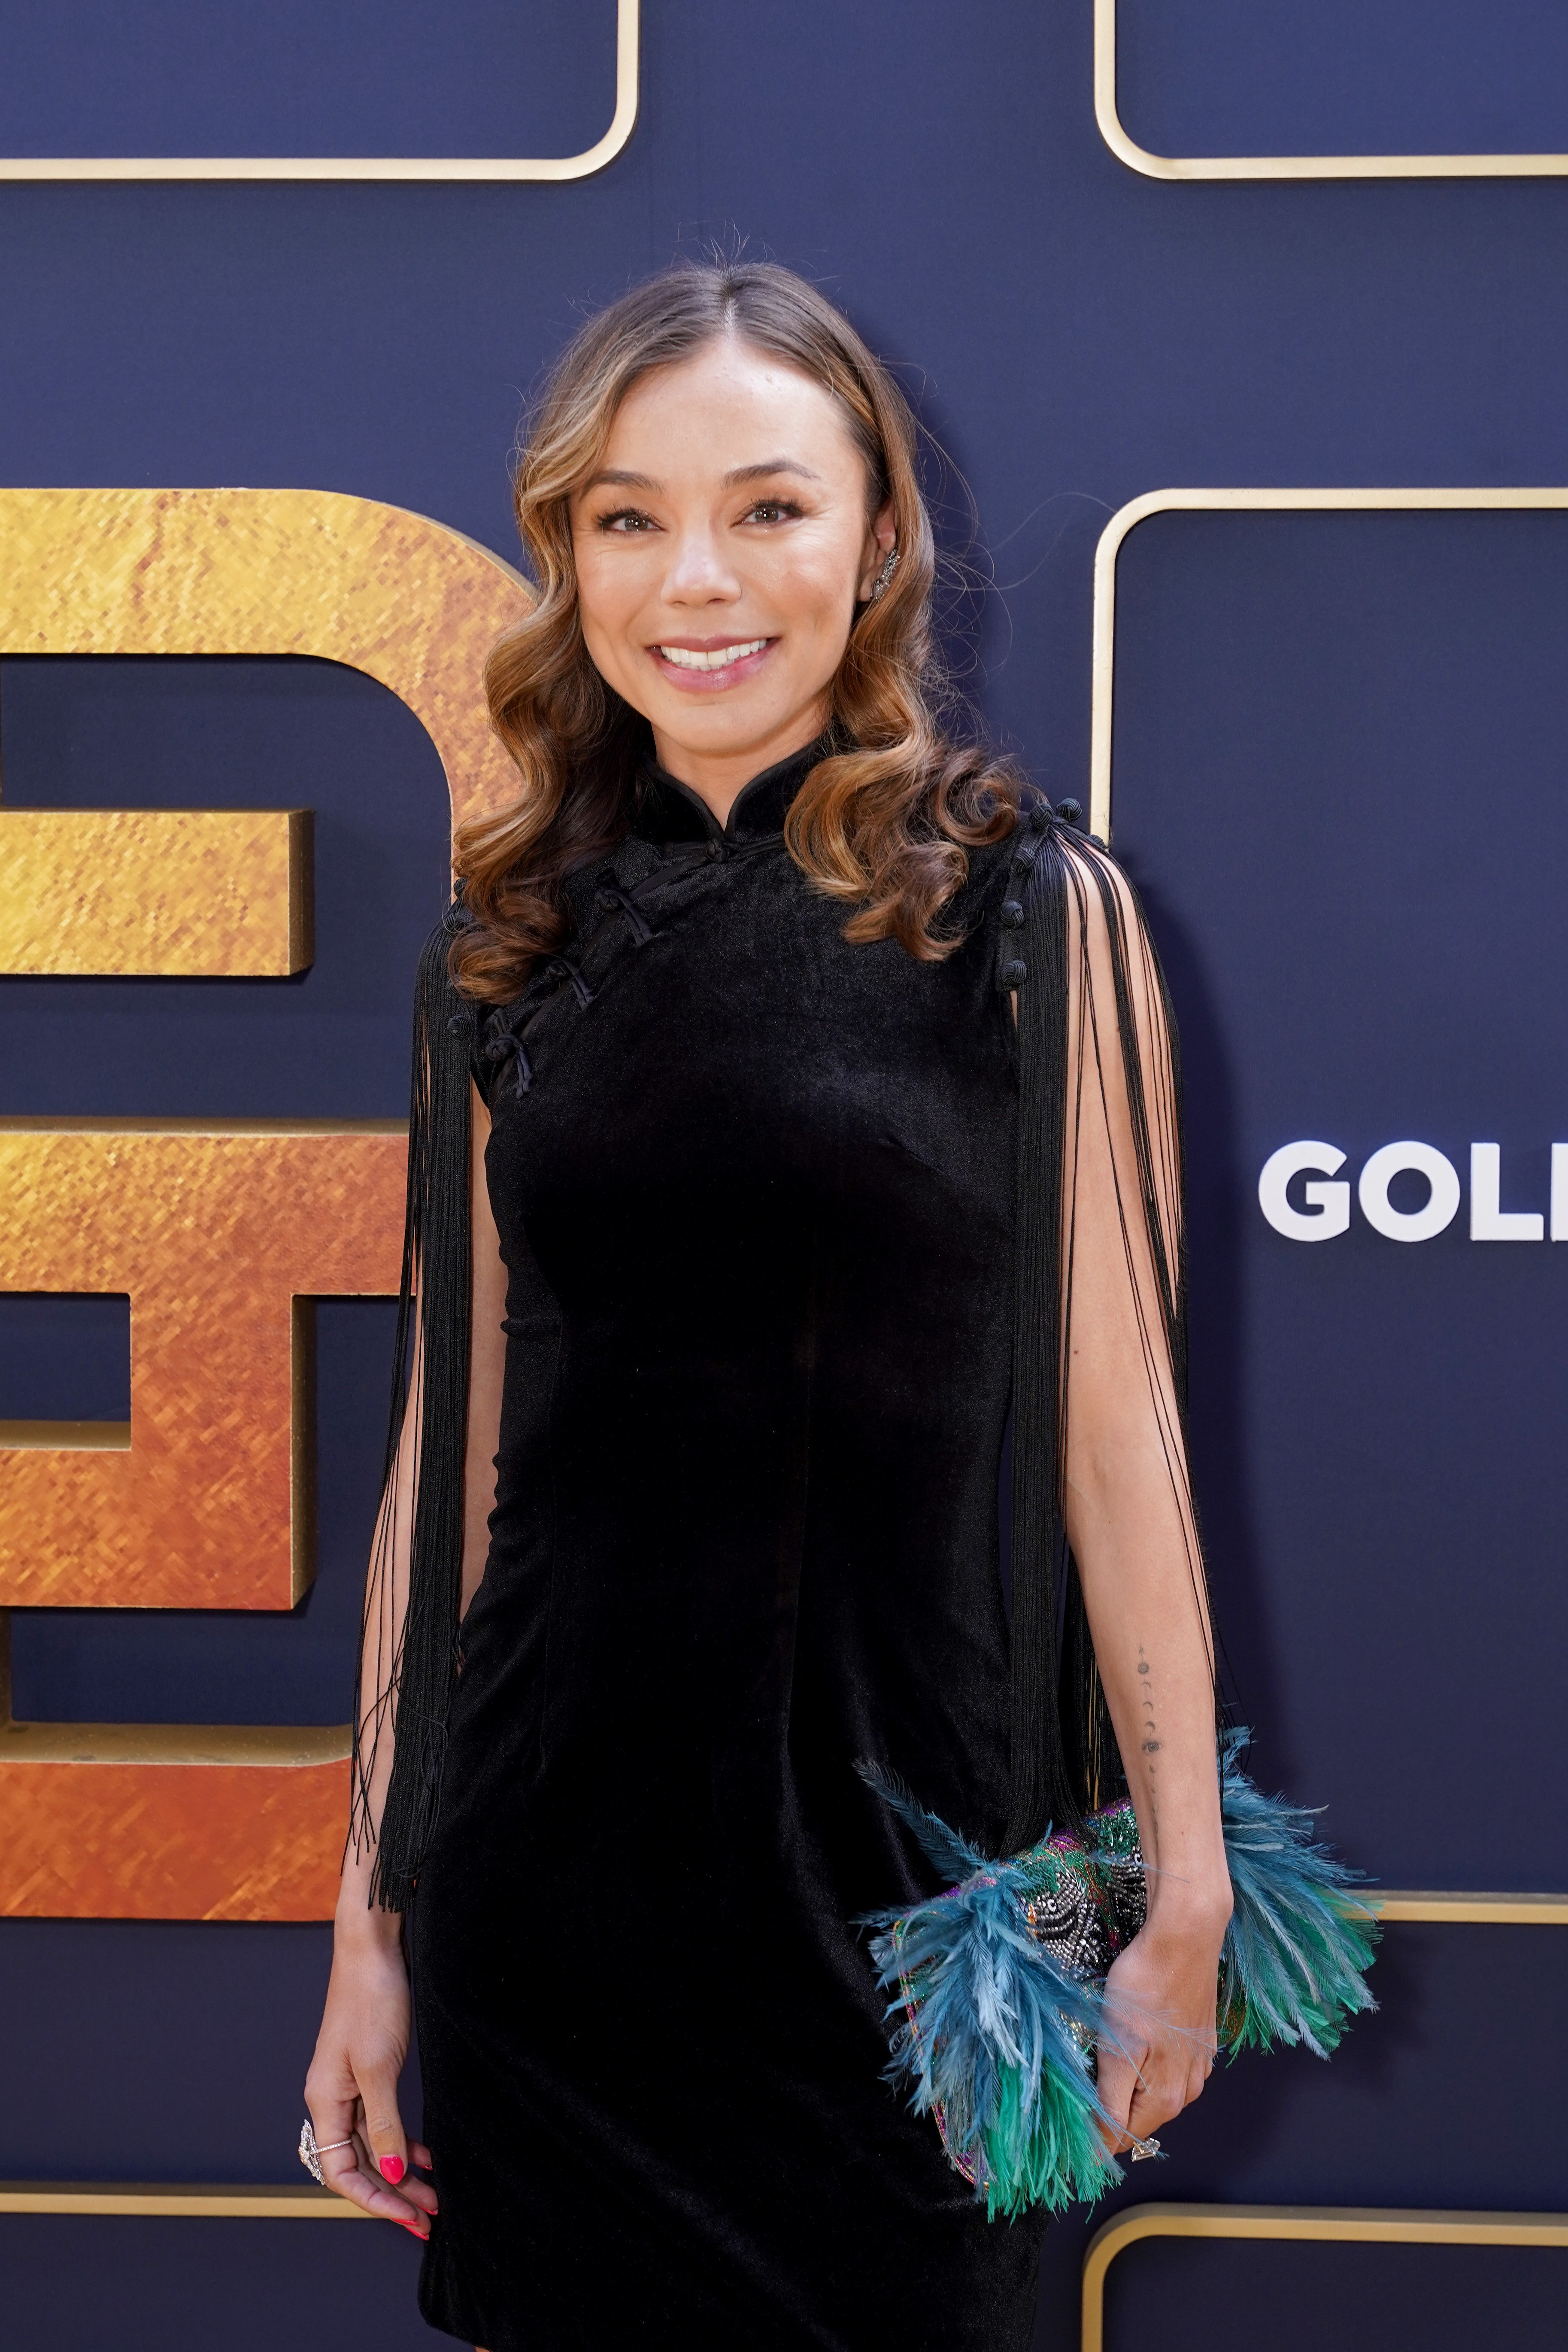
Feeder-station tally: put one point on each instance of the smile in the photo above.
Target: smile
(719, 658)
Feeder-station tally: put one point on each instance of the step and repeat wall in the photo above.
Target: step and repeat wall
(1241, 337)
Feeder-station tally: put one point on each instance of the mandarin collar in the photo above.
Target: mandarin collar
(667, 810)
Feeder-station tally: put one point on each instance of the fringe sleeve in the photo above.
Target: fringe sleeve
(1100, 1104)
(409, 1646)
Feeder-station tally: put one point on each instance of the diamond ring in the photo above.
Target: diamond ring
(310, 2154)
(1142, 2149)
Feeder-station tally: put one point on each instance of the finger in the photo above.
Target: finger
(334, 2121)
(1163, 2089)
(419, 2192)
(1175, 2067)
(1118, 2082)
(1149, 2116)
(349, 2168)
(348, 2172)
(382, 2125)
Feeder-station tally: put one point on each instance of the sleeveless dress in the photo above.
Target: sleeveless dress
(793, 1231)
(755, 1192)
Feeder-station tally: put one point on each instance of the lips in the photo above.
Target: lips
(710, 668)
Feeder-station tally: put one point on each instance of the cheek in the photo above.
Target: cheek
(606, 600)
(819, 601)
(816, 592)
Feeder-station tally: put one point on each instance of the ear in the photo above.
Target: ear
(880, 541)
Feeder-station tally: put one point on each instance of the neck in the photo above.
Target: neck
(720, 778)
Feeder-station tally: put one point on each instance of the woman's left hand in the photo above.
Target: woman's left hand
(1161, 1998)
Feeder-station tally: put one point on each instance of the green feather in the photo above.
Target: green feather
(1041, 2148)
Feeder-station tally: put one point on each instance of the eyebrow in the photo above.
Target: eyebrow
(622, 477)
(771, 466)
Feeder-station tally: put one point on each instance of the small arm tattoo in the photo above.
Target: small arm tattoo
(1150, 1742)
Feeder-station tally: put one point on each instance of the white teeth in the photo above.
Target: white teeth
(720, 659)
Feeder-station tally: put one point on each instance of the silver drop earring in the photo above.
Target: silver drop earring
(879, 586)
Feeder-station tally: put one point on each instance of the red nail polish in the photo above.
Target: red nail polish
(393, 2169)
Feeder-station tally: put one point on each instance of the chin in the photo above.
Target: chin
(717, 727)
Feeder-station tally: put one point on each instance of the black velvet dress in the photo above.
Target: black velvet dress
(755, 1192)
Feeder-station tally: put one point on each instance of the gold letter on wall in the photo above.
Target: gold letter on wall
(221, 1232)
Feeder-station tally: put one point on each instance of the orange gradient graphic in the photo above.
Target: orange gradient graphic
(222, 1234)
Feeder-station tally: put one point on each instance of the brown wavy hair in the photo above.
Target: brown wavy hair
(883, 824)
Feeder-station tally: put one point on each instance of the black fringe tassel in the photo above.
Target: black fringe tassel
(1065, 1758)
(1043, 1789)
(437, 1278)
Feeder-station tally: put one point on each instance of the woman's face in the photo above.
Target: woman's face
(721, 551)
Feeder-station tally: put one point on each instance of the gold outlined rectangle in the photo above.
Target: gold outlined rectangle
(366, 167)
(1479, 1909)
(1286, 167)
(1368, 2225)
(1244, 501)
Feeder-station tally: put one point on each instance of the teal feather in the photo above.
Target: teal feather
(943, 1848)
(1300, 1936)
(994, 2038)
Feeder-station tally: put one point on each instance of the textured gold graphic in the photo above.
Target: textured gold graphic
(187, 893)
(410, 603)
(215, 1231)
(122, 1822)
(222, 1232)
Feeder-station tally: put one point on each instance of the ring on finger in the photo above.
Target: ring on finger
(310, 2151)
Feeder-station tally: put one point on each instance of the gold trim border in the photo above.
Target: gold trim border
(1363, 2225)
(1471, 1910)
(1286, 167)
(1243, 501)
(1476, 1909)
(178, 2203)
(368, 167)
(1346, 2225)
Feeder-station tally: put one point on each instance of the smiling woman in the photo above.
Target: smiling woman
(692, 1497)
(726, 574)
(720, 499)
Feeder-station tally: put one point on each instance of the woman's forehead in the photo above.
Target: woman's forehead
(729, 406)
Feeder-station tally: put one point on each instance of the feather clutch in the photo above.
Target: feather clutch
(999, 1983)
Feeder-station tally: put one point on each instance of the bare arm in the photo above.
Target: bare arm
(487, 1368)
(351, 2088)
(1129, 1513)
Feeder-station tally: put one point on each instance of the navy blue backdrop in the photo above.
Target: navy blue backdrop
(1343, 78)
(1340, 746)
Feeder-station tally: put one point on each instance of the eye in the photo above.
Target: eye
(627, 520)
(773, 510)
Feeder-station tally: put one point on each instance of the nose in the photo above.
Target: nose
(699, 573)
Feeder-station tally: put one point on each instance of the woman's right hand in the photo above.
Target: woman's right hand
(351, 2088)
